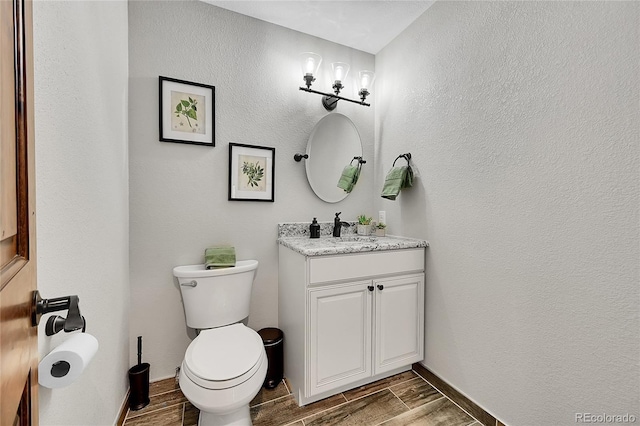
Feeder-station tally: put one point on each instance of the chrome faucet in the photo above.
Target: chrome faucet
(338, 224)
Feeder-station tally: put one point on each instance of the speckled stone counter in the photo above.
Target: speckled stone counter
(295, 236)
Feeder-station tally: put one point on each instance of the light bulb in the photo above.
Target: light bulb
(311, 66)
(340, 71)
(366, 79)
(310, 63)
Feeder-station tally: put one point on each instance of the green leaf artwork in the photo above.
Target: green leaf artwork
(188, 109)
(254, 172)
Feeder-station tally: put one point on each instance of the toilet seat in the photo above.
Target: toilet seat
(224, 357)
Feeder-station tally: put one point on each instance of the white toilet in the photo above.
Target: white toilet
(226, 364)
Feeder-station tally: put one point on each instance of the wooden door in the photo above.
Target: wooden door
(399, 322)
(18, 339)
(339, 336)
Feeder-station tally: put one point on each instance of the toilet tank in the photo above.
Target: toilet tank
(216, 297)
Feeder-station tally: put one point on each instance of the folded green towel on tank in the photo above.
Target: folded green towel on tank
(219, 257)
(349, 178)
(397, 179)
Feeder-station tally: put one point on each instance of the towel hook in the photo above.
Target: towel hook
(360, 160)
(406, 156)
(299, 157)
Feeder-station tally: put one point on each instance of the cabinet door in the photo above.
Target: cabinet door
(339, 345)
(399, 322)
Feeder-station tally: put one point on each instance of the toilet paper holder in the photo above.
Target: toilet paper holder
(56, 323)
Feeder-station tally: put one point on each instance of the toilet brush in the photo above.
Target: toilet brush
(139, 382)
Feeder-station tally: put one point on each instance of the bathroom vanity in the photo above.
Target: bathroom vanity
(351, 309)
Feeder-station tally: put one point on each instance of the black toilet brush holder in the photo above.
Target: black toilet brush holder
(139, 382)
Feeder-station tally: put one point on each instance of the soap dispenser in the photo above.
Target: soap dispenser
(314, 229)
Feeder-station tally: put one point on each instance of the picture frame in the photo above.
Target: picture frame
(251, 172)
(187, 112)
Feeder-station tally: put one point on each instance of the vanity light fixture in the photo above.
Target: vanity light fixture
(340, 72)
(366, 81)
(311, 63)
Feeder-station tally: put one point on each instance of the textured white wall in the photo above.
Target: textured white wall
(82, 194)
(178, 192)
(523, 121)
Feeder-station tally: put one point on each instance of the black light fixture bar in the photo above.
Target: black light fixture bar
(332, 98)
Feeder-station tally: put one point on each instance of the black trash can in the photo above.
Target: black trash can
(273, 339)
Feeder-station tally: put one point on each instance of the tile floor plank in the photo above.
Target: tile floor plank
(285, 410)
(452, 393)
(162, 386)
(191, 415)
(266, 395)
(381, 401)
(171, 416)
(378, 385)
(157, 402)
(369, 410)
(416, 392)
(441, 412)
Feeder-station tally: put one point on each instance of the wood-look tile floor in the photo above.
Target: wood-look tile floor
(401, 400)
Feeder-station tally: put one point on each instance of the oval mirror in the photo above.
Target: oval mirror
(332, 145)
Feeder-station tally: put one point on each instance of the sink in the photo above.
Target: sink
(359, 239)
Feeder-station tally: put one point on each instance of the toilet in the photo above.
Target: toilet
(224, 367)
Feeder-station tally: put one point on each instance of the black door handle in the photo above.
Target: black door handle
(370, 288)
(380, 287)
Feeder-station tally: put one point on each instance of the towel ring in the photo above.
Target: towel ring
(360, 163)
(406, 156)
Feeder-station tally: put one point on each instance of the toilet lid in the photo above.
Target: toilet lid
(224, 353)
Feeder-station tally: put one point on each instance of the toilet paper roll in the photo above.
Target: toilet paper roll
(63, 365)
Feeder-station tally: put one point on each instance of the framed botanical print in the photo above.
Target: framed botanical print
(251, 172)
(187, 112)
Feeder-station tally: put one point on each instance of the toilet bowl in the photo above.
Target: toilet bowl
(222, 371)
(224, 367)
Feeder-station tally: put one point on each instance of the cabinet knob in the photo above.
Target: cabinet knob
(380, 287)
(370, 288)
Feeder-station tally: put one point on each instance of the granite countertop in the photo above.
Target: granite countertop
(351, 243)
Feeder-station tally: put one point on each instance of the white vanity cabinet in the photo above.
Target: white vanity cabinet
(349, 319)
(339, 336)
(399, 322)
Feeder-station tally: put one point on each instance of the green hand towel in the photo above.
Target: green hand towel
(408, 179)
(398, 178)
(349, 177)
(219, 257)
